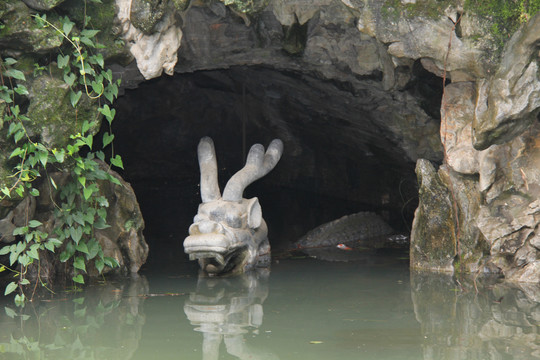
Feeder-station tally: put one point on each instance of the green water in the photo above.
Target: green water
(301, 309)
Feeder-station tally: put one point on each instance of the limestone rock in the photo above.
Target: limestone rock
(433, 235)
(154, 52)
(51, 113)
(456, 127)
(42, 4)
(145, 14)
(508, 102)
(17, 218)
(124, 240)
(20, 33)
(502, 323)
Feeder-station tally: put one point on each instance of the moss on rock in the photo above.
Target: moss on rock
(52, 118)
(21, 34)
(102, 17)
(248, 7)
(433, 237)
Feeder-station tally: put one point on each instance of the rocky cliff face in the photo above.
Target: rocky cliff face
(383, 62)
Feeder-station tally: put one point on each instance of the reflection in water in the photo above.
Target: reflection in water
(476, 320)
(314, 310)
(104, 322)
(225, 309)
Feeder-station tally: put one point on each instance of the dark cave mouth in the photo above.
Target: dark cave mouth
(336, 161)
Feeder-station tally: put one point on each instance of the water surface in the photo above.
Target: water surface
(304, 308)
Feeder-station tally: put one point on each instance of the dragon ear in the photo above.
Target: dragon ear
(254, 212)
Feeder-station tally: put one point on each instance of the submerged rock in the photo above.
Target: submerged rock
(359, 228)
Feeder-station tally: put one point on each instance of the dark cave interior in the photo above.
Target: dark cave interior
(337, 159)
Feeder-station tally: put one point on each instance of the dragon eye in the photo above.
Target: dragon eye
(234, 222)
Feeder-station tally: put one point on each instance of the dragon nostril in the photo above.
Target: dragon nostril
(194, 229)
(207, 227)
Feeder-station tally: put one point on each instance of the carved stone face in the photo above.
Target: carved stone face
(228, 233)
(225, 234)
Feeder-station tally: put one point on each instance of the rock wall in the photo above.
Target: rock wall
(479, 209)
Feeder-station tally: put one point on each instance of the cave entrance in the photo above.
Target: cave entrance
(343, 151)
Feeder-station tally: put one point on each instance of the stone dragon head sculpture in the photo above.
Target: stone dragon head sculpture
(228, 234)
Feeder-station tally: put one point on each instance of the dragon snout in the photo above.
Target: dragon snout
(206, 227)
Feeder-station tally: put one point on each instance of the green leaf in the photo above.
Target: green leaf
(64, 256)
(85, 127)
(16, 74)
(17, 152)
(20, 189)
(11, 287)
(52, 243)
(74, 97)
(82, 180)
(101, 224)
(59, 155)
(87, 192)
(5, 191)
(67, 26)
(93, 249)
(99, 60)
(9, 61)
(89, 140)
(70, 78)
(18, 136)
(117, 161)
(80, 313)
(53, 183)
(110, 262)
(78, 263)
(6, 249)
(107, 138)
(97, 87)
(43, 157)
(82, 247)
(10, 312)
(34, 192)
(33, 252)
(76, 233)
(100, 264)
(21, 90)
(34, 223)
(24, 260)
(20, 299)
(78, 279)
(86, 41)
(25, 282)
(62, 61)
(89, 33)
(20, 230)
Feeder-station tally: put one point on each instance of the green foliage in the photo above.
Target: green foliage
(246, 6)
(71, 328)
(81, 209)
(505, 15)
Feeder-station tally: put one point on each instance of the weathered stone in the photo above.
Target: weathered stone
(42, 4)
(20, 33)
(145, 14)
(508, 102)
(499, 324)
(433, 235)
(103, 17)
(155, 52)
(229, 234)
(456, 127)
(51, 114)
(123, 240)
